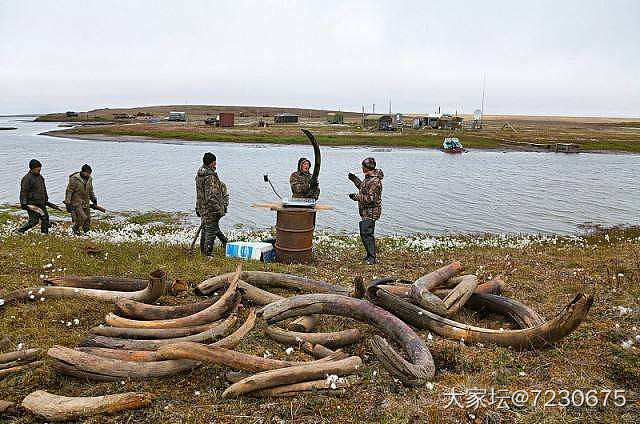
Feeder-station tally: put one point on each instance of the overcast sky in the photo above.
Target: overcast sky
(539, 57)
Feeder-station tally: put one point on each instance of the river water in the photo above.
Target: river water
(424, 190)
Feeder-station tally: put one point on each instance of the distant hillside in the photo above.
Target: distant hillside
(194, 111)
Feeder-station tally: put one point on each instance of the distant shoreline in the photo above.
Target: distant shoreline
(135, 138)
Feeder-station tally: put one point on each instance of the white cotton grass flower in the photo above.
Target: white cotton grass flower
(20, 346)
(47, 266)
(68, 323)
(430, 337)
(289, 350)
(32, 297)
(627, 344)
(42, 276)
(429, 385)
(42, 299)
(623, 310)
(266, 354)
(197, 393)
(333, 381)
(522, 373)
(76, 321)
(41, 290)
(1, 302)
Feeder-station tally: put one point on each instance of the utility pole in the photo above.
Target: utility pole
(484, 80)
(374, 108)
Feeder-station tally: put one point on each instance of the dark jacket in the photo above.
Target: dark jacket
(300, 182)
(369, 196)
(33, 190)
(212, 198)
(79, 192)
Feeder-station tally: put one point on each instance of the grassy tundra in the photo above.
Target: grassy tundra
(542, 271)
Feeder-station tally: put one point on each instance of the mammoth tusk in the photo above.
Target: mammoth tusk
(330, 340)
(19, 368)
(130, 344)
(304, 324)
(421, 290)
(317, 351)
(366, 312)
(60, 408)
(151, 293)
(20, 355)
(131, 309)
(523, 315)
(123, 355)
(291, 375)
(543, 335)
(96, 367)
(251, 293)
(98, 283)
(306, 386)
(214, 312)
(456, 299)
(234, 338)
(272, 279)
(229, 358)
(152, 333)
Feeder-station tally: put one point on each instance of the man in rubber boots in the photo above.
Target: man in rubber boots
(33, 192)
(369, 200)
(212, 200)
(303, 185)
(79, 193)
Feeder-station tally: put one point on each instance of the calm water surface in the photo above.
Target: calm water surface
(424, 190)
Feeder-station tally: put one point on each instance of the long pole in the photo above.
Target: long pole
(484, 80)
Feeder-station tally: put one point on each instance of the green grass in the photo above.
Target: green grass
(155, 216)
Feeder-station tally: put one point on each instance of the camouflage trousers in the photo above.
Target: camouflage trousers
(210, 231)
(81, 218)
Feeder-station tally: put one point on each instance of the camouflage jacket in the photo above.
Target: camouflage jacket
(301, 185)
(33, 190)
(212, 197)
(369, 196)
(79, 192)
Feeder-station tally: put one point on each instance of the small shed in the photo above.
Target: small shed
(449, 122)
(177, 116)
(226, 119)
(335, 118)
(286, 118)
(380, 122)
(71, 114)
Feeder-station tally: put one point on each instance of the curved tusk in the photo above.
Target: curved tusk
(136, 310)
(330, 340)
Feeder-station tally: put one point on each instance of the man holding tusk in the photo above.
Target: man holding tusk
(212, 201)
(79, 193)
(369, 198)
(303, 185)
(33, 192)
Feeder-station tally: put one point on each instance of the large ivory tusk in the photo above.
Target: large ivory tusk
(234, 338)
(304, 387)
(523, 315)
(20, 355)
(150, 294)
(422, 368)
(456, 299)
(421, 290)
(229, 358)
(212, 313)
(317, 351)
(99, 283)
(271, 279)
(19, 368)
(92, 365)
(543, 335)
(330, 340)
(152, 333)
(60, 408)
(291, 375)
(131, 309)
(130, 344)
(123, 355)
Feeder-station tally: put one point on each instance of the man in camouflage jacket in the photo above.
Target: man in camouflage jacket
(33, 192)
(212, 200)
(303, 185)
(79, 193)
(369, 198)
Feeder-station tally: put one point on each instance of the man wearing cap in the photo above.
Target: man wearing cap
(33, 193)
(369, 198)
(79, 193)
(303, 185)
(212, 201)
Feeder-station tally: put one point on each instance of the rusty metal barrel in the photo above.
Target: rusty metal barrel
(294, 235)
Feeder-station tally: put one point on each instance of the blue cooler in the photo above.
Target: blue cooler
(255, 250)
